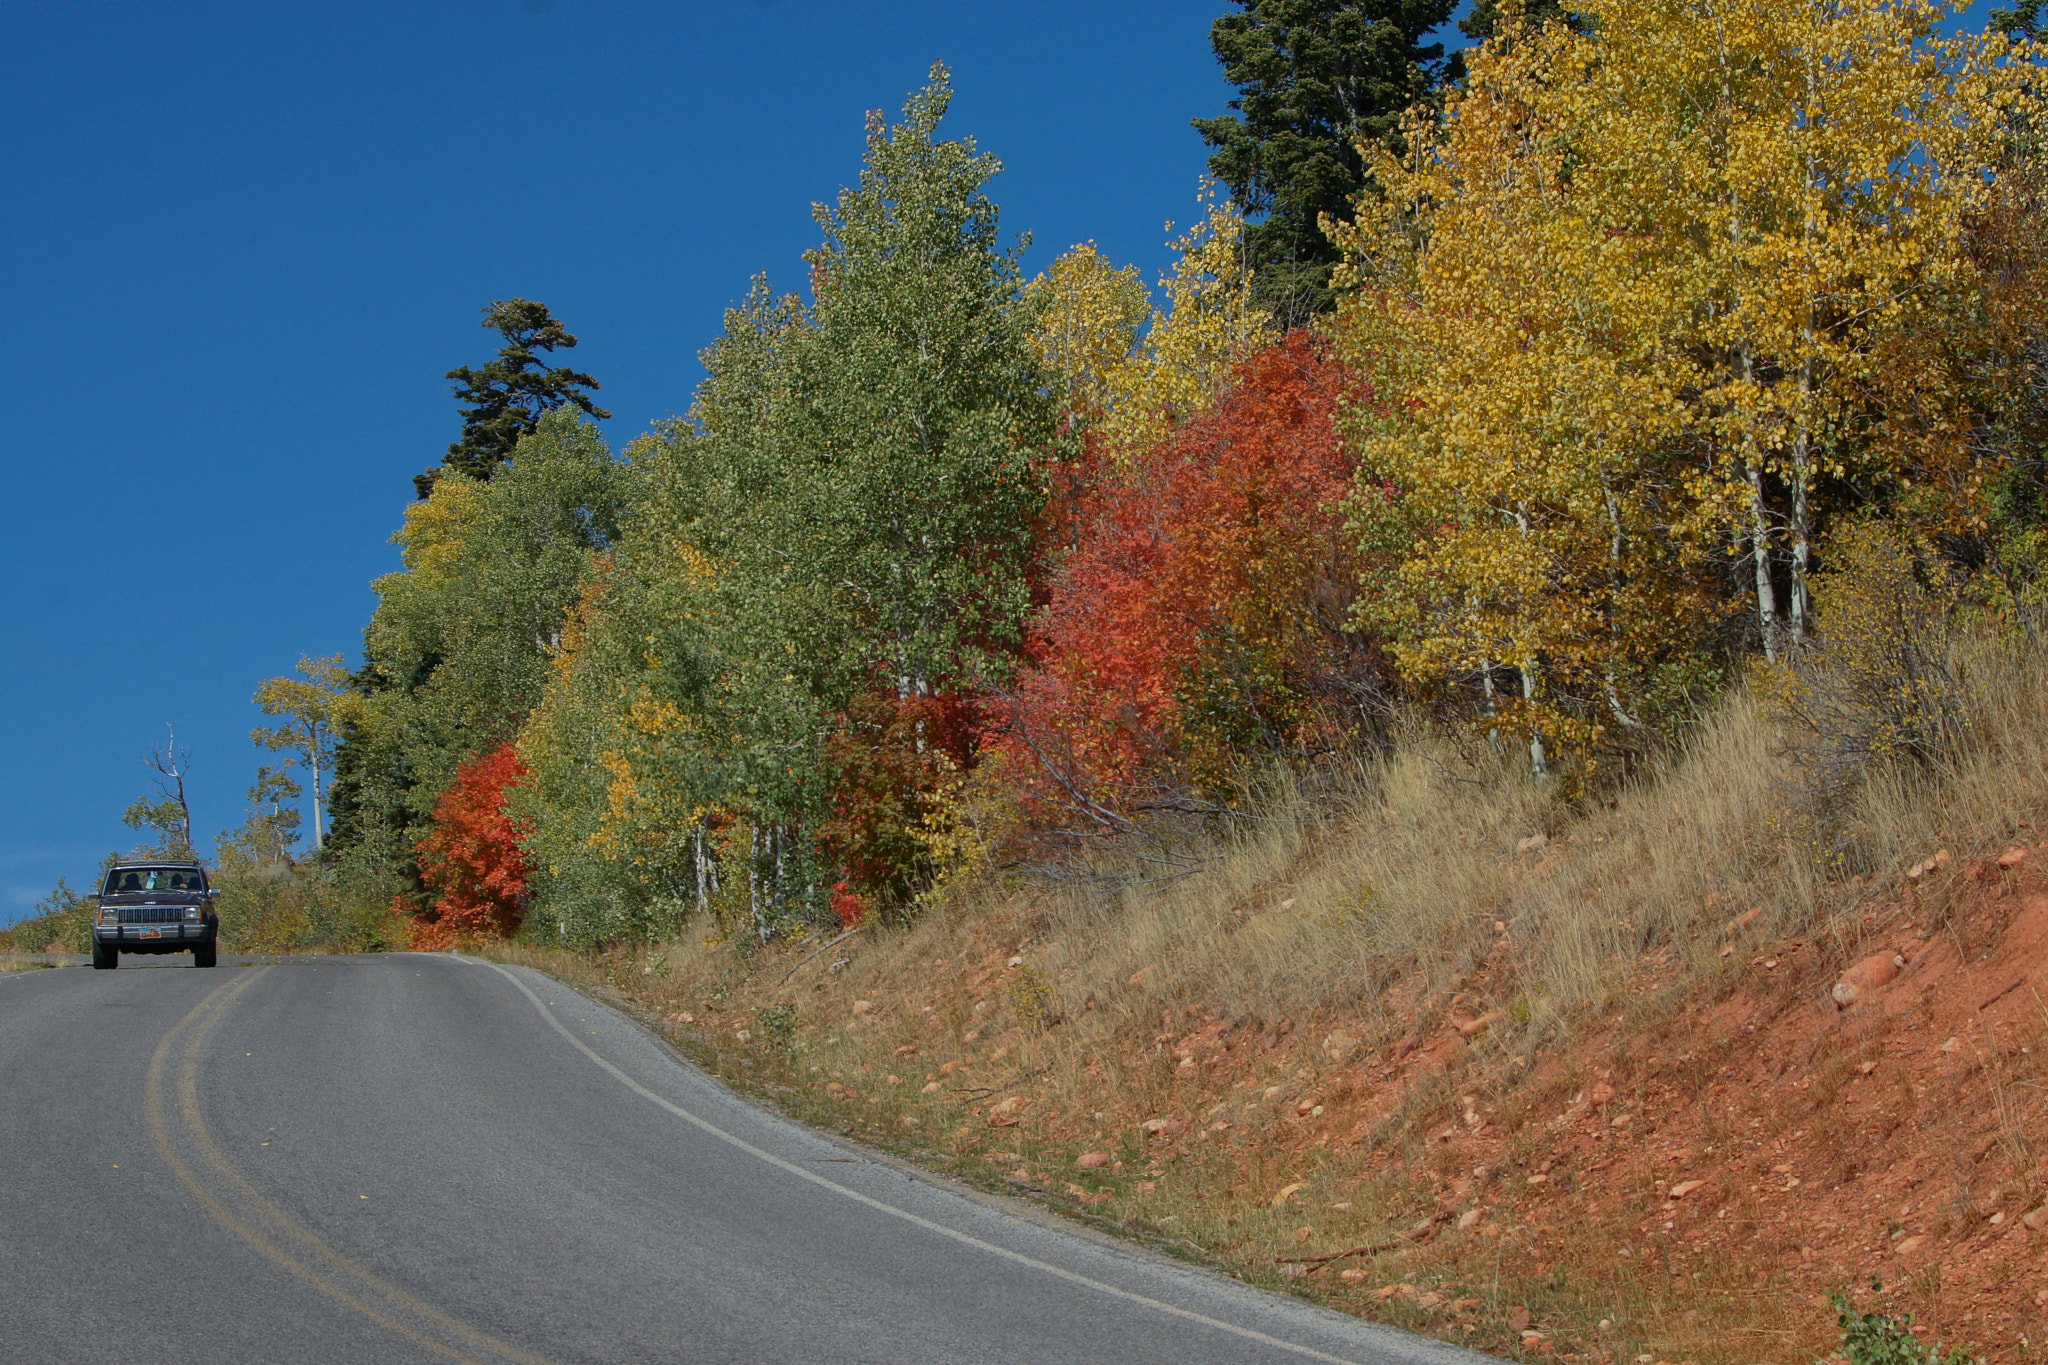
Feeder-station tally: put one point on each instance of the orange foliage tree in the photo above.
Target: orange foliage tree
(470, 861)
(1201, 610)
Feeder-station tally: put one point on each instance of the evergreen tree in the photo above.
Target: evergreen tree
(1316, 77)
(508, 396)
(1483, 20)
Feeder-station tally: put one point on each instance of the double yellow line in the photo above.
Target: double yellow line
(239, 1208)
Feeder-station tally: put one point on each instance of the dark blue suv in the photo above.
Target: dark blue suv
(155, 905)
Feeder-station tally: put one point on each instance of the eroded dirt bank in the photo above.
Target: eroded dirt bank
(1681, 1178)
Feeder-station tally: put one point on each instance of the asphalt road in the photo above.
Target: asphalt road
(424, 1158)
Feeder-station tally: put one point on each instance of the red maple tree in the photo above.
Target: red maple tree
(470, 861)
(1202, 593)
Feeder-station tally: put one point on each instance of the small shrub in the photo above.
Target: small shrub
(1880, 680)
(777, 1023)
(1030, 996)
(1879, 1339)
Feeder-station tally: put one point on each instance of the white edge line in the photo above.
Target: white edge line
(1071, 1277)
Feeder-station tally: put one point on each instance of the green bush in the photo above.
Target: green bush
(1878, 1339)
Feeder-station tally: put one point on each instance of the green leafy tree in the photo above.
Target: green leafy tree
(306, 706)
(458, 650)
(507, 397)
(1315, 78)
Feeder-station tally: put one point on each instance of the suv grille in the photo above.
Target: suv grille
(152, 914)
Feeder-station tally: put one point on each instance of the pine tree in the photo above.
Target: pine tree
(509, 395)
(1316, 78)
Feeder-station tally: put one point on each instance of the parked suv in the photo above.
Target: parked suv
(155, 905)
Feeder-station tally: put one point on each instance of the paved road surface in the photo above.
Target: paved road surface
(422, 1158)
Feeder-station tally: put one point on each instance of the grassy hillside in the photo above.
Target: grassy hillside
(1433, 1010)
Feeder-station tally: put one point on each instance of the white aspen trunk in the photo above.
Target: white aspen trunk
(754, 880)
(1759, 526)
(781, 845)
(314, 751)
(1486, 680)
(1539, 767)
(1760, 541)
(1796, 605)
(1614, 543)
(703, 890)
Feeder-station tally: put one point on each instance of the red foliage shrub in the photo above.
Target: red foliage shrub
(1204, 599)
(471, 860)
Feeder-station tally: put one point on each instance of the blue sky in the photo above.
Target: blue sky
(244, 242)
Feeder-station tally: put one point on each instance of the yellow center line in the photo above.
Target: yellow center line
(213, 1007)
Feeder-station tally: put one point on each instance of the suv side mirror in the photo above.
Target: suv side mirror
(212, 894)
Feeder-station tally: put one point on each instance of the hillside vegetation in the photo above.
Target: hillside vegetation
(1306, 732)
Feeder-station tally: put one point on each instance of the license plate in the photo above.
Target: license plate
(152, 933)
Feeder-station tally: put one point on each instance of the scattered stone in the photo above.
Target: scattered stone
(1472, 1028)
(863, 1007)
(1866, 978)
(1532, 1340)
(1092, 1161)
(1430, 1299)
(1865, 1068)
(892, 1080)
(1164, 1128)
(1910, 1245)
(2012, 858)
(1304, 1107)
(1743, 920)
(744, 1036)
(2038, 1219)
(1941, 860)
(1293, 1272)
(1352, 1276)
(1532, 843)
(1470, 1219)
(1340, 1208)
(1535, 1180)
(1287, 1192)
(948, 1068)
(1520, 1319)
(1015, 962)
(1395, 1291)
(1600, 1095)
(1138, 977)
(1302, 1235)
(932, 1087)
(1952, 1045)
(1686, 1187)
(1339, 1046)
(910, 1121)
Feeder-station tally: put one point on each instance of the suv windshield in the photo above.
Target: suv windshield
(153, 879)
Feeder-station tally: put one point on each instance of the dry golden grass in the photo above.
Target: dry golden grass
(1287, 971)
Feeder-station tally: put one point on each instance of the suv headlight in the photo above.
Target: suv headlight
(192, 912)
(108, 915)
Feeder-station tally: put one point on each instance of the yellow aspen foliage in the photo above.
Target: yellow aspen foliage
(1641, 286)
(1089, 313)
(1139, 387)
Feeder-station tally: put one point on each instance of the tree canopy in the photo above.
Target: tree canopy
(508, 396)
(1315, 78)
